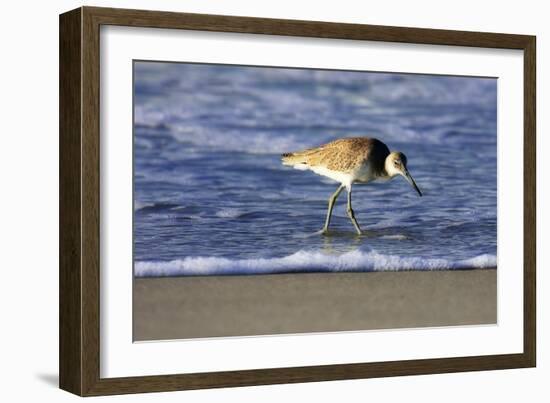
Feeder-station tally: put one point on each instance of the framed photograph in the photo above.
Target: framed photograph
(248, 201)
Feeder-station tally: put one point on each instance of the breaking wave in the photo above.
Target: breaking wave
(305, 261)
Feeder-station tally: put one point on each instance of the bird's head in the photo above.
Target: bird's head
(396, 164)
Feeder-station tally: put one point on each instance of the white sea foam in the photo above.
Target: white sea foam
(396, 237)
(305, 261)
(139, 205)
(229, 213)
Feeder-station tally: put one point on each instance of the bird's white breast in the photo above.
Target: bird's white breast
(344, 178)
(363, 174)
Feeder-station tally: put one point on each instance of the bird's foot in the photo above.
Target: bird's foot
(357, 228)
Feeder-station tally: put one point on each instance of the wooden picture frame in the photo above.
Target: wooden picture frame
(79, 201)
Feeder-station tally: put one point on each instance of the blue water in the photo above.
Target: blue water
(211, 195)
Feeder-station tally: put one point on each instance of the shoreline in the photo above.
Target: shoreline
(288, 303)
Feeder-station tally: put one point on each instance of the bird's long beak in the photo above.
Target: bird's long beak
(410, 179)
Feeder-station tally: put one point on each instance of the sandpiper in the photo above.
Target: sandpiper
(348, 161)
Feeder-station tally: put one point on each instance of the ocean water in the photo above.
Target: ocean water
(211, 195)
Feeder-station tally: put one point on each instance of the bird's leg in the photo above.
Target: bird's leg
(331, 202)
(351, 214)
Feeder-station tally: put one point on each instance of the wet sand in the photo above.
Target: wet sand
(195, 307)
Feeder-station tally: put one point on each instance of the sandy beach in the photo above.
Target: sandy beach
(217, 306)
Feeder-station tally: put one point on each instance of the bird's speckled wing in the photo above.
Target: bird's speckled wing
(343, 155)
